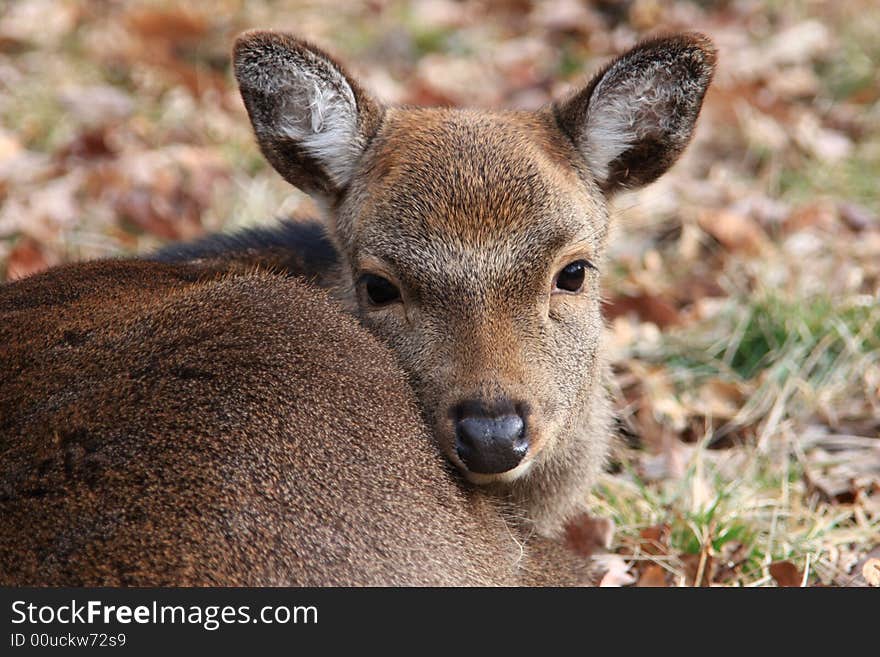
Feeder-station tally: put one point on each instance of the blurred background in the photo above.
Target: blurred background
(742, 288)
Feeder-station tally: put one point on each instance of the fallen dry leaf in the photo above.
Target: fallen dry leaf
(95, 105)
(26, 258)
(786, 574)
(719, 399)
(794, 82)
(799, 43)
(696, 288)
(655, 540)
(652, 576)
(647, 307)
(43, 22)
(699, 569)
(818, 214)
(88, 145)
(665, 455)
(824, 144)
(735, 232)
(10, 146)
(175, 40)
(457, 80)
(172, 25)
(565, 16)
(857, 217)
(588, 534)
(838, 481)
(871, 572)
(616, 572)
(856, 571)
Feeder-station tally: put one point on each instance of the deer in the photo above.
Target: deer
(183, 425)
(436, 415)
(471, 243)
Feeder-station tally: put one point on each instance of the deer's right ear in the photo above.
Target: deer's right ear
(311, 119)
(634, 119)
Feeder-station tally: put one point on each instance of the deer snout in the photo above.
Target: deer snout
(490, 443)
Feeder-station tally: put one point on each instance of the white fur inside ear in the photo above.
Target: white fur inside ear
(320, 113)
(623, 112)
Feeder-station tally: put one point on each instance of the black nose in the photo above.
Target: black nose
(490, 445)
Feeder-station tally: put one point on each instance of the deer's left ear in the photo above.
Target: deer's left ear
(634, 119)
(311, 118)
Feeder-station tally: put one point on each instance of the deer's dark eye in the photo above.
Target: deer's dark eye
(380, 291)
(571, 277)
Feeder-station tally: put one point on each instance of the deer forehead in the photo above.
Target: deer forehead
(485, 190)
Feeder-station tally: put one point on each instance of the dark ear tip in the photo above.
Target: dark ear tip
(250, 46)
(693, 45)
(257, 43)
(696, 45)
(705, 45)
(255, 38)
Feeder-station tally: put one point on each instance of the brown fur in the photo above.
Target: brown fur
(471, 214)
(169, 425)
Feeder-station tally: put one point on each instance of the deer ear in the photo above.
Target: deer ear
(634, 119)
(311, 119)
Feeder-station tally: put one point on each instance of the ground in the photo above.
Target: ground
(742, 288)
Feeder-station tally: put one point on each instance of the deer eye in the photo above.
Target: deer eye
(380, 291)
(571, 277)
